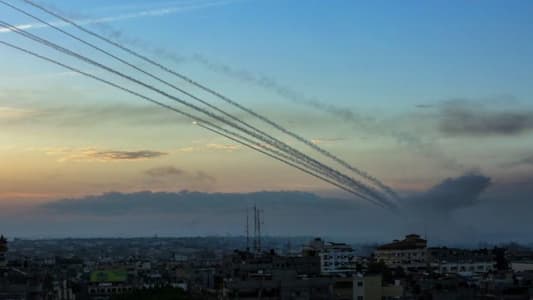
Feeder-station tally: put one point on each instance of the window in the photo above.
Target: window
(360, 298)
(359, 283)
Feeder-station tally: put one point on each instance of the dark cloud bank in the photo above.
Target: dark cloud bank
(463, 118)
(171, 176)
(467, 209)
(127, 155)
(450, 195)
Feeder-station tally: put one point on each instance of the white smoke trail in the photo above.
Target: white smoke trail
(355, 185)
(123, 17)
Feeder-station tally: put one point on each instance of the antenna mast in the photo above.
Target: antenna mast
(247, 230)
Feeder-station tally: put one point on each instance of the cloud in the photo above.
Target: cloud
(464, 118)
(188, 149)
(452, 194)
(458, 211)
(424, 106)
(11, 113)
(525, 161)
(211, 147)
(439, 211)
(93, 116)
(297, 203)
(94, 154)
(195, 180)
(320, 141)
(165, 171)
(194, 213)
(125, 155)
(223, 147)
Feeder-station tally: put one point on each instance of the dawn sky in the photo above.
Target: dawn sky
(413, 92)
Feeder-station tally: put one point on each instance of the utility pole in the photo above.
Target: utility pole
(259, 231)
(247, 230)
(255, 228)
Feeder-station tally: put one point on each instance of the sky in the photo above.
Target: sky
(427, 96)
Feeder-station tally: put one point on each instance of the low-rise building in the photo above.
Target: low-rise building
(445, 260)
(103, 284)
(279, 285)
(334, 257)
(409, 253)
(372, 287)
(522, 266)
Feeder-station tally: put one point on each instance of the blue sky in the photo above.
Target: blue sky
(372, 54)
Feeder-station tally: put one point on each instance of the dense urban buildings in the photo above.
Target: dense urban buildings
(291, 268)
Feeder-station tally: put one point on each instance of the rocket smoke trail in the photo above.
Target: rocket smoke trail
(359, 186)
(203, 123)
(148, 74)
(154, 12)
(165, 82)
(272, 123)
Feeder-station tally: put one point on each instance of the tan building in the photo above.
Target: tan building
(409, 253)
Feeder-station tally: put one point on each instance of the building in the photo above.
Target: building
(63, 291)
(372, 287)
(445, 260)
(334, 257)
(3, 251)
(104, 284)
(279, 285)
(409, 253)
(243, 263)
(522, 266)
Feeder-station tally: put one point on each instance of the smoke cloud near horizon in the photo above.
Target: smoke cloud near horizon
(464, 209)
(451, 194)
(459, 210)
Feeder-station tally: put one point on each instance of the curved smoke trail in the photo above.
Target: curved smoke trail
(343, 178)
(315, 147)
(219, 130)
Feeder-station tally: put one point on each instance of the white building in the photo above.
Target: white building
(522, 266)
(334, 257)
(445, 267)
(452, 261)
(337, 258)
